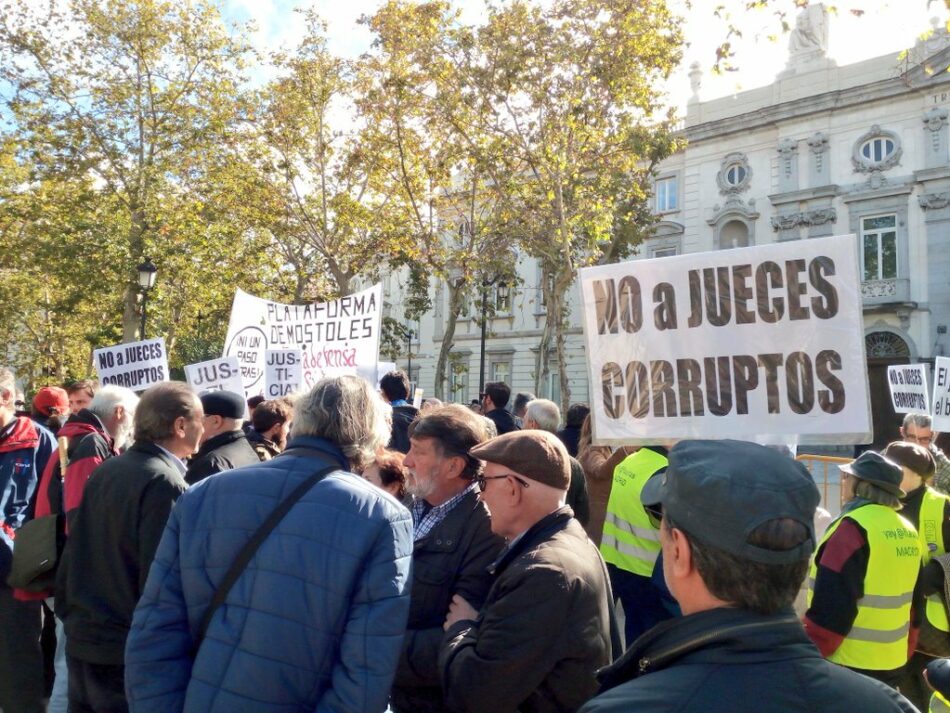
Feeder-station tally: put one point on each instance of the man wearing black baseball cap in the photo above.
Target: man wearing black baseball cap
(737, 531)
(224, 445)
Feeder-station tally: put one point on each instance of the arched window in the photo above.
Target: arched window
(734, 234)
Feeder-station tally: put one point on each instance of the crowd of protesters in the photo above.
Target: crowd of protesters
(348, 551)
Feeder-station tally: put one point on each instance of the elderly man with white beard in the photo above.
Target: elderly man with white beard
(106, 429)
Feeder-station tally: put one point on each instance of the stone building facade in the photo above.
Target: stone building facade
(824, 150)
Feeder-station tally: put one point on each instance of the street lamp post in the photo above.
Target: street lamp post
(147, 271)
(409, 352)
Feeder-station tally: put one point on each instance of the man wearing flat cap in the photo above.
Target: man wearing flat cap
(737, 532)
(545, 627)
(224, 445)
(864, 599)
(929, 512)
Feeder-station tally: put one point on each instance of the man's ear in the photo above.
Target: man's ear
(682, 554)
(180, 426)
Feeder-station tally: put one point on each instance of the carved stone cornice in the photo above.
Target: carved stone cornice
(811, 218)
(933, 201)
(786, 147)
(819, 216)
(936, 118)
(788, 221)
(818, 143)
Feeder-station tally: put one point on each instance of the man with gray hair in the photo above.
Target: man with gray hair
(544, 415)
(545, 627)
(113, 538)
(311, 614)
(918, 428)
(96, 434)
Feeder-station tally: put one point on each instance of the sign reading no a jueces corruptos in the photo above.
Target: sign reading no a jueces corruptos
(763, 344)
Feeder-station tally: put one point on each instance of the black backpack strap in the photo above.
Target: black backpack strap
(250, 548)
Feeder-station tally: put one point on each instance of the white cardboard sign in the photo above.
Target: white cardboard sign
(135, 365)
(908, 384)
(336, 338)
(215, 375)
(283, 369)
(764, 343)
(941, 403)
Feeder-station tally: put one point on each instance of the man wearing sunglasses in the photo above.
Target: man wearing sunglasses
(545, 627)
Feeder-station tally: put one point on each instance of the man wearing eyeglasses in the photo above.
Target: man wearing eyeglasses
(918, 428)
(545, 627)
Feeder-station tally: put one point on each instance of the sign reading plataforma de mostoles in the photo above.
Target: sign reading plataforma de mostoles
(763, 343)
(336, 338)
(136, 365)
(908, 386)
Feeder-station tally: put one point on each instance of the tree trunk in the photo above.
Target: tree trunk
(541, 361)
(448, 337)
(561, 286)
(131, 317)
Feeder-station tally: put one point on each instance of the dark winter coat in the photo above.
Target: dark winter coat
(577, 496)
(543, 632)
(504, 421)
(402, 417)
(25, 448)
(452, 559)
(111, 543)
(735, 661)
(226, 451)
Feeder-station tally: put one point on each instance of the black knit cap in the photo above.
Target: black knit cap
(226, 404)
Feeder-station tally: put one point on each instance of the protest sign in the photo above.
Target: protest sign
(215, 375)
(941, 404)
(135, 365)
(283, 372)
(764, 343)
(338, 337)
(908, 384)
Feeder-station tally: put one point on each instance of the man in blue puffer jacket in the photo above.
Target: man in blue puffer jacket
(315, 621)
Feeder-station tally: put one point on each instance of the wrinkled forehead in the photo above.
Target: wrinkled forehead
(912, 429)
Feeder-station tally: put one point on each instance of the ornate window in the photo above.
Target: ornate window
(879, 247)
(877, 150)
(734, 174)
(886, 345)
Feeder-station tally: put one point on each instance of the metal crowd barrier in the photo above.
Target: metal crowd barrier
(824, 469)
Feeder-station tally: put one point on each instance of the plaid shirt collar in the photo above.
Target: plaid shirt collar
(425, 517)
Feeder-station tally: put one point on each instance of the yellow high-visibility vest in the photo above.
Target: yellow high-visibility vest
(878, 638)
(931, 540)
(631, 541)
(939, 704)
